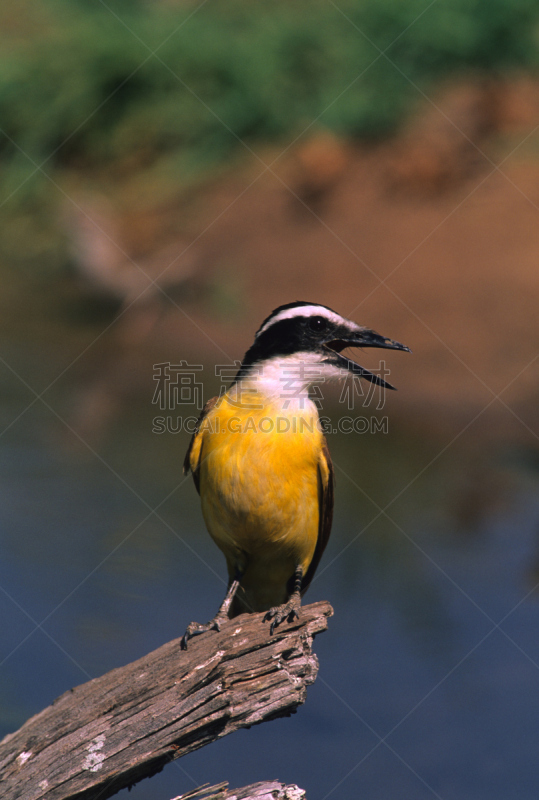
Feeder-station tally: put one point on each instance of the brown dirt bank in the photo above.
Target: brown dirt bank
(432, 239)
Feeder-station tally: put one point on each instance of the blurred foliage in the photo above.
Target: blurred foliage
(172, 89)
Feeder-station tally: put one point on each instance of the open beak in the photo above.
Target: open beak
(363, 338)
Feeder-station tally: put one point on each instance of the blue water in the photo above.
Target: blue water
(429, 672)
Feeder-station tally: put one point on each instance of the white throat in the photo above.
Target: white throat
(286, 379)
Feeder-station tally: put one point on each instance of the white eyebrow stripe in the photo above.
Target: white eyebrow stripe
(305, 311)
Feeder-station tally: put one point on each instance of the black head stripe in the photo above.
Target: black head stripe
(297, 334)
(297, 304)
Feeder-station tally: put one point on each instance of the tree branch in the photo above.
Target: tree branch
(115, 730)
(266, 790)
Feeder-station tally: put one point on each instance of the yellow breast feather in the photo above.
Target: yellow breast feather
(257, 470)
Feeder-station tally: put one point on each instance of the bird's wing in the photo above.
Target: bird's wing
(194, 451)
(326, 482)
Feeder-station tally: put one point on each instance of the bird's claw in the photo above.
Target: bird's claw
(196, 628)
(288, 612)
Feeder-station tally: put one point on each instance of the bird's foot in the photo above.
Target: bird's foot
(196, 628)
(288, 612)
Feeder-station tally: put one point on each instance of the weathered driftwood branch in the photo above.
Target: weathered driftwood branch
(115, 730)
(267, 790)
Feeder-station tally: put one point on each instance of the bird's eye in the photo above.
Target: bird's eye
(318, 324)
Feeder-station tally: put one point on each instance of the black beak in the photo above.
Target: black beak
(363, 338)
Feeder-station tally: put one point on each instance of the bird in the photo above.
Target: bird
(261, 463)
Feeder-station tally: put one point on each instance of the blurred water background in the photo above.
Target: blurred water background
(172, 171)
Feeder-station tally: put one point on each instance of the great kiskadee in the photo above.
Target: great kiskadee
(261, 464)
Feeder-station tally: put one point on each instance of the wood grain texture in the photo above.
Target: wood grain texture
(266, 790)
(115, 730)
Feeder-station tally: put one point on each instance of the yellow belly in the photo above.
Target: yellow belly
(259, 491)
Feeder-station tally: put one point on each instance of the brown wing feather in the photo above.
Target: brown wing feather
(187, 460)
(325, 500)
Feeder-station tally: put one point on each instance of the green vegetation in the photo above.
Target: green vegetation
(170, 91)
